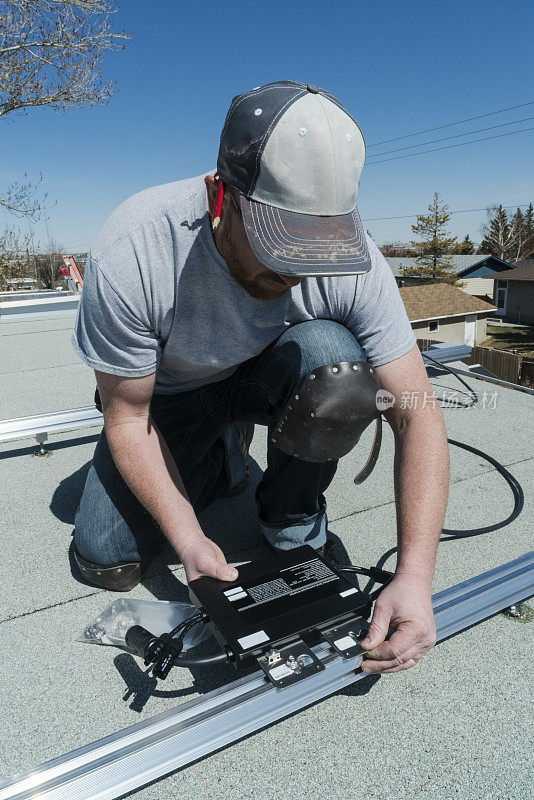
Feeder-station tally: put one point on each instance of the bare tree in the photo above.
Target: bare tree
(500, 238)
(397, 250)
(51, 54)
(16, 265)
(22, 200)
(528, 219)
(48, 265)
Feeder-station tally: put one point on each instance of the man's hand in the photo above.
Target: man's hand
(201, 557)
(407, 607)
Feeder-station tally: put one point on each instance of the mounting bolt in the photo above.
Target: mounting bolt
(312, 377)
(312, 414)
(40, 439)
(335, 369)
(355, 367)
(521, 612)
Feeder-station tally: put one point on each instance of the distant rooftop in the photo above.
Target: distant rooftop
(524, 273)
(461, 263)
(432, 300)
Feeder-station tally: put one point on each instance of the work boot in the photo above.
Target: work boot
(119, 578)
(244, 432)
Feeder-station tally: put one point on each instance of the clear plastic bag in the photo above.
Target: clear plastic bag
(157, 616)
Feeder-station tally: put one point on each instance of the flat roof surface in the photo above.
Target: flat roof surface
(457, 725)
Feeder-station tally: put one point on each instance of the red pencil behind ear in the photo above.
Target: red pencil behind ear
(218, 206)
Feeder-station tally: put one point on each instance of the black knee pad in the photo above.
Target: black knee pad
(328, 412)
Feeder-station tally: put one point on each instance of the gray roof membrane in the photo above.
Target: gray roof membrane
(457, 724)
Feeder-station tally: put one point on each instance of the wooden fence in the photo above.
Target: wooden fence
(504, 365)
(526, 377)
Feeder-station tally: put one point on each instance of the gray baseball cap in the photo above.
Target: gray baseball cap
(295, 154)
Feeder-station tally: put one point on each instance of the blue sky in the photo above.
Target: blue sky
(398, 68)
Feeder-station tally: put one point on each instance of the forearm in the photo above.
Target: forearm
(146, 464)
(421, 490)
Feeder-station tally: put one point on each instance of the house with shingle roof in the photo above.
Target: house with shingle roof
(447, 314)
(514, 294)
(473, 271)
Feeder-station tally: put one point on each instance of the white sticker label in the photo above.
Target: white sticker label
(347, 592)
(253, 639)
(237, 596)
(280, 672)
(235, 590)
(345, 642)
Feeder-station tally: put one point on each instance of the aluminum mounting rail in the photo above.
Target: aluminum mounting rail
(41, 425)
(449, 352)
(88, 416)
(469, 373)
(133, 757)
(446, 352)
(33, 294)
(19, 310)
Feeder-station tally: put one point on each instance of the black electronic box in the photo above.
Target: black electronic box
(289, 597)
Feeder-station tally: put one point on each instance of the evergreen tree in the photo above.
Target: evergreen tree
(466, 246)
(499, 237)
(434, 263)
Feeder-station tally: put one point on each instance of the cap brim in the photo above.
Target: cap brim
(304, 245)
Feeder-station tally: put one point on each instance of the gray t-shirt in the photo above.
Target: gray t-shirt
(157, 296)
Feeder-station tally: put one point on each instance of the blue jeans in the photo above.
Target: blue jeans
(113, 527)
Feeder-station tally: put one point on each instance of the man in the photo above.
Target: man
(262, 302)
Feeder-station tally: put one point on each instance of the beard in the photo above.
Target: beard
(254, 286)
(257, 286)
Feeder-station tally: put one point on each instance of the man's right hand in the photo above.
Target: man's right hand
(201, 557)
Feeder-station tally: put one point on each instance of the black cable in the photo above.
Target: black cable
(377, 575)
(451, 124)
(471, 391)
(189, 622)
(411, 216)
(454, 136)
(183, 628)
(193, 662)
(451, 534)
(448, 147)
(513, 483)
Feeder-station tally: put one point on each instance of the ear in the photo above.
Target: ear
(212, 188)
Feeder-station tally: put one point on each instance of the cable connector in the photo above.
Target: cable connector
(160, 652)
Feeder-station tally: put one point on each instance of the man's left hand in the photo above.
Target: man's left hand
(407, 607)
